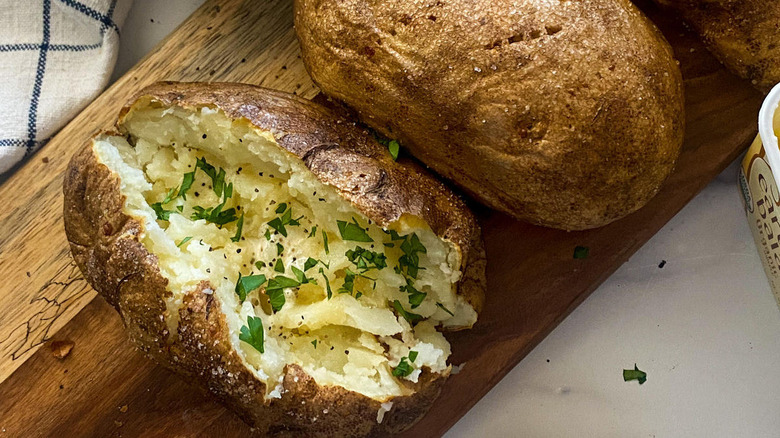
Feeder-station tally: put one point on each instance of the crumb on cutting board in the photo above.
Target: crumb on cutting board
(61, 349)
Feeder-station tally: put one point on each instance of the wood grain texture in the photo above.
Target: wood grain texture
(533, 280)
(228, 40)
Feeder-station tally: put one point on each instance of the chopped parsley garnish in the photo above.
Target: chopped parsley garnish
(392, 145)
(314, 342)
(405, 368)
(301, 276)
(280, 223)
(408, 316)
(349, 282)
(260, 264)
(279, 249)
(415, 296)
(410, 261)
(275, 290)
(162, 214)
(310, 263)
(325, 241)
(441, 306)
(186, 183)
(252, 333)
(394, 235)
(276, 297)
(394, 148)
(635, 374)
(327, 283)
(581, 252)
(239, 227)
(185, 240)
(268, 234)
(169, 197)
(279, 266)
(352, 231)
(217, 178)
(214, 215)
(247, 284)
(313, 231)
(366, 259)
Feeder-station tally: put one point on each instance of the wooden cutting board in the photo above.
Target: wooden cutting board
(105, 388)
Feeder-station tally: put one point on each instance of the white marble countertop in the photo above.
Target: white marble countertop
(705, 327)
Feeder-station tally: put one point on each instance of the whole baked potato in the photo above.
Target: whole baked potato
(567, 114)
(743, 34)
(274, 253)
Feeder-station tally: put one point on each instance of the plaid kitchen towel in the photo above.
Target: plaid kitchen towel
(55, 57)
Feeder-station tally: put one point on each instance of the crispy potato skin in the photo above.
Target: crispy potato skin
(743, 34)
(105, 245)
(563, 114)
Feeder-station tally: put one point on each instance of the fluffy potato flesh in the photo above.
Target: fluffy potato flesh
(302, 276)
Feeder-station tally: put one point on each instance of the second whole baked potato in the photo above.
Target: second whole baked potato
(565, 114)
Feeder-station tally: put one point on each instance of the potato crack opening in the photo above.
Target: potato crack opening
(301, 275)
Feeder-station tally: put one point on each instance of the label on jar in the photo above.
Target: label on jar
(762, 204)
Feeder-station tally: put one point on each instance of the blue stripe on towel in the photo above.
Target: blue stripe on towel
(106, 19)
(32, 118)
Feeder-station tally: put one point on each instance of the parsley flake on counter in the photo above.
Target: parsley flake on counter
(581, 252)
(635, 374)
(247, 284)
(183, 241)
(252, 333)
(352, 231)
(410, 317)
(279, 266)
(239, 227)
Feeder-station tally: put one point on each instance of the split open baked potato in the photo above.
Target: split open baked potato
(276, 254)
